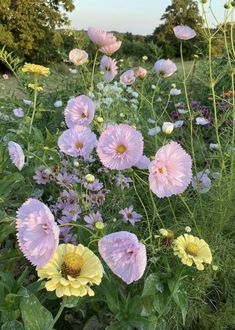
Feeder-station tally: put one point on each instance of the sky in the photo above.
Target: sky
(136, 16)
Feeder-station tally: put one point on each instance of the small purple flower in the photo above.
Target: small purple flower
(27, 102)
(201, 182)
(123, 181)
(65, 179)
(95, 186)
(42, 175)
(18, 112)
(130, 216)
(92, 219)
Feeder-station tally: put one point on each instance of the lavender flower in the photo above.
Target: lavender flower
(130, 216)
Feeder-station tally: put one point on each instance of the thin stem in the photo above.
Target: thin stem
(93, 70)
(59, 312)
(34, 103)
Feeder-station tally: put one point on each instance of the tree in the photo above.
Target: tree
(180, 12)
(28, 27)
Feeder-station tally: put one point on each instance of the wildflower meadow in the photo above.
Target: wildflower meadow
(117, 184)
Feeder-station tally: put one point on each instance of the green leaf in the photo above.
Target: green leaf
(8, 183)
(181, 300)
(151, 285)
(34, 314)
(12, 325)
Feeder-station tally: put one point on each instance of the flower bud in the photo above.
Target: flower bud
(100, 120)
(188, 229)
(195, 56)
(89, 178)
(167, 128)
(173, 86)
(227, 5)
(215, 268)
(163, 232)
(203, 1)
(145, 58)
(99, 225)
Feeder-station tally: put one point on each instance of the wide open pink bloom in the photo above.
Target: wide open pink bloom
(171, 171)
(77, 141)
(16, 154)
(78, 56)
(109, 67)
(80, 110)
(184, 32)
(124, 255)
(37, 232)
(120, 147)
(100, 37)
(165, 68)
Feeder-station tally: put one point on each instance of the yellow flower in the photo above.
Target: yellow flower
(192, 249)
(71, 271)
(35, 87)
(36, 69)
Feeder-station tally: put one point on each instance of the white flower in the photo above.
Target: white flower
(58, 104)
(175, 91)
(167, 127)
(188, 229)
(202, 121)
(214, 146)
(178, 123)
(73, 71)
(182, 111)
(27, 102)
(16, 154)
(153, 87)
(201, 182)
(155, 130)
(151, 121)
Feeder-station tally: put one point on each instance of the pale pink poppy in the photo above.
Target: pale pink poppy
(124, 255)
(80, 110)
(128, 77)
(171, 171)
(140, 72)
(37, 232)
(109, 67)
(110, 49)
(184, 32)
(77, 141)
(78, 56)
(16, 154)
(165, 68)
(120, 147)
(100, 37)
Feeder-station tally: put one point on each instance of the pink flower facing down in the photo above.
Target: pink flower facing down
(37, 232)
(184, 32)
(140, 72)
(130, 216)
(16, 154)
(124, 255)
(171, 171)
(110, 49)
(109, 67)
(79, 111)
(165, 68)
(100, 37)
(77, 141)
(78, 56)
(120, 147)
(128, 77)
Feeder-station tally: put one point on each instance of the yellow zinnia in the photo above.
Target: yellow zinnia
(192, 249)
(36, 69)
(71, 271)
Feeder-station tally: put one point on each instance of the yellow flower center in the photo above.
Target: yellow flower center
(162, 170)
(192, 249)
(72, 265)
(79, 145)
(121, 149)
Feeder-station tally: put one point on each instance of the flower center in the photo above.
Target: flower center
(72, 265)
(121, 149)
(129, 215)
(45, 227)
(83, 115)
(162, 72)
(79, 145)
(162, 170)
(192, 249)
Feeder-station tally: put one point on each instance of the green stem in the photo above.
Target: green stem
(34, 103)
(59, 312)
(93, 70)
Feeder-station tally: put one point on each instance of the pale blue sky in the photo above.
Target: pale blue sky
(136, 16)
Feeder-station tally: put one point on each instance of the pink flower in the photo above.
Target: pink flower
(37, 232)
(110, 49)
(171, 171)
(5, 76)
(124, 255)
(184, 32)
(80, 110)
(78, 56)
(16, 154)
(77, 141)
(143, 163)
(128, 77)
(109, 67)
(165, 68)
(140, 72)
(120, 147)
(100, 37)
